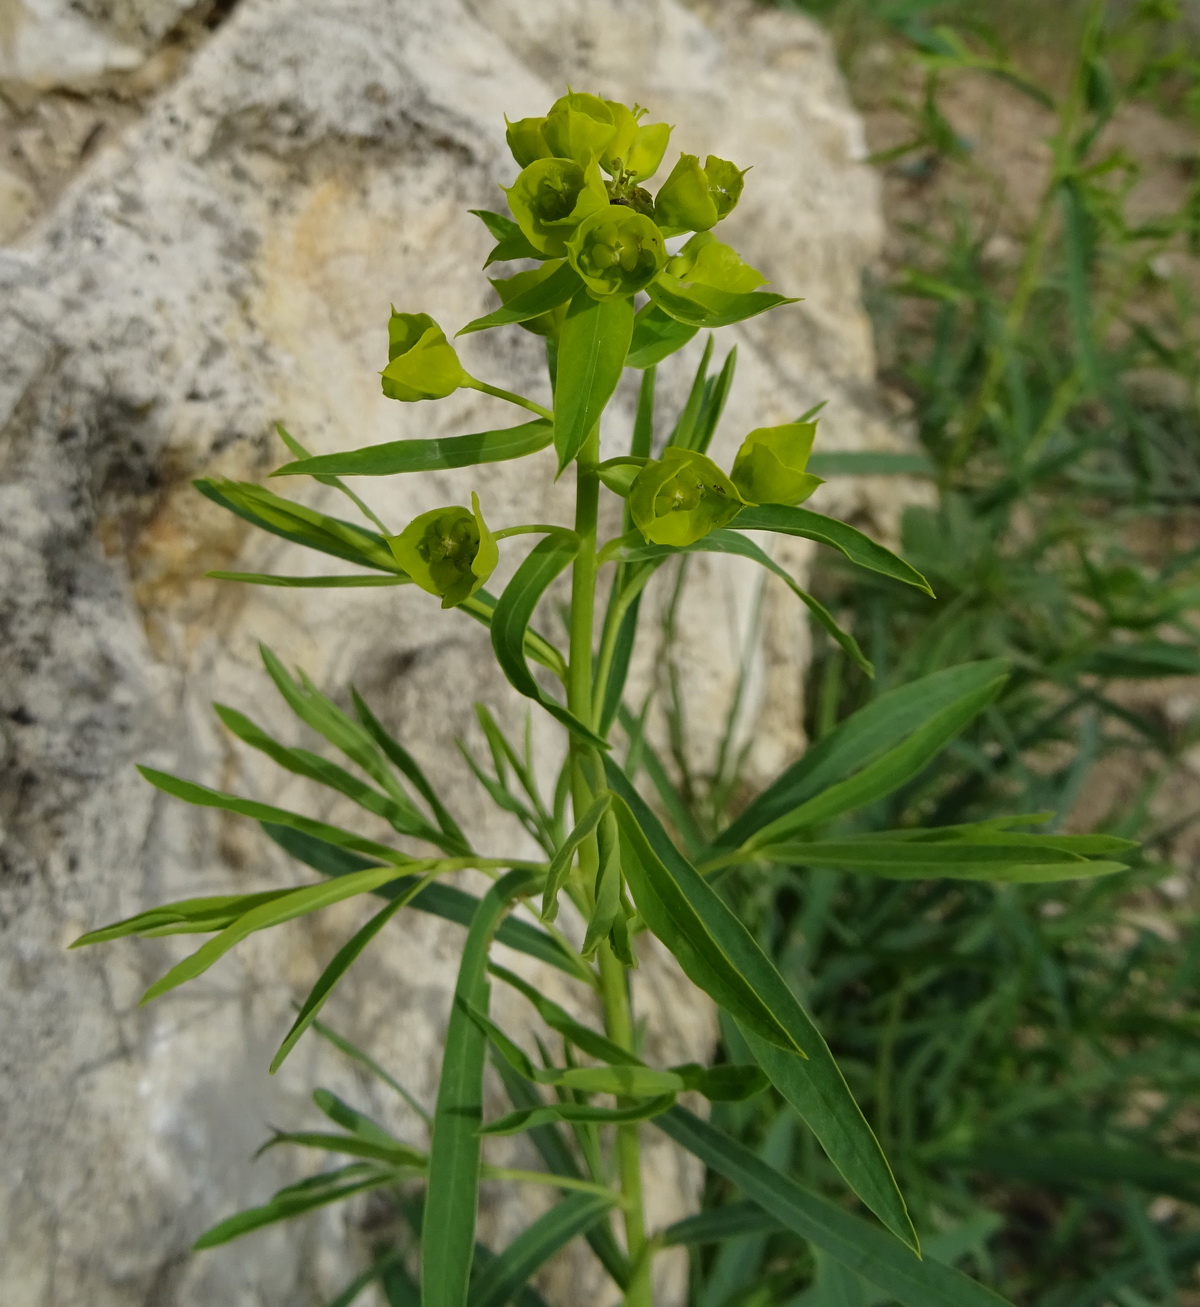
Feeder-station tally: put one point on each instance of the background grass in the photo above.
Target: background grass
(1028, 1054)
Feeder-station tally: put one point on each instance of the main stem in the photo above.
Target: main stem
(585, 777)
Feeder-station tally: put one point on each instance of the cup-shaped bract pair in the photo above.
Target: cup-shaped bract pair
(770, 465)
(617, 251)
(695, 198)
(448, 551)
(679, 498)
(588, 130)
(422, 363)
(706, 263)
(551, 197)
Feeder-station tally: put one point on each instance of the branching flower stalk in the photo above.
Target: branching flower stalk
(603, 287)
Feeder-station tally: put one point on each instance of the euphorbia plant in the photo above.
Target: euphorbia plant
(597, 243)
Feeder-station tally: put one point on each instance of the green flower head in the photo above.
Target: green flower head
(526, 141)
(422, 364)
(705, 261)
(694, 198)
(634, 150)
(616, 251)
(681, 497)
(579, 127)
(769, 467)
(448, 551)
(551, 197)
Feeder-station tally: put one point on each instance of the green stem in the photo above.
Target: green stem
(585, 778)
(519, 400)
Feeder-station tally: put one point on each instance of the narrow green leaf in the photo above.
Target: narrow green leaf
(656, 336)
(588, 1041)
(407, 765)
(342, 961)
(510, 622)
(448, 1241)
(511, 241)
(392, 1154)
(719, 309)
(296, 1200)
(886, 773)
(723, 541)
(861, 739)
(397, 456)
(591, 355)
(716, 392)
(849, 1239)
(445, 901)
(368, 1063)
(309, 582)
(303, 526)
(689, 414)
(858, 548)
(302, 762)
(185, 917)
(556, 289)
(550, 1113)
(350, 1118)
(560, 864)
(1007, 862)
(607, 909)
(482, 606)
(300, 902)
(498, 1281)
(722, 1084)
(297, 450)
(203, 797)
(632, 1081)
(720, 1223)
(719, 954)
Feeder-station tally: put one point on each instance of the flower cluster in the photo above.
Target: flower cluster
(584, 218)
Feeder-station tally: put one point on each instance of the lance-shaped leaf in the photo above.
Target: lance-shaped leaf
(847, 1238)
(397, 456)
(990, 856)
(857, 547)
(532, 1118)
(298, 903)
(342, 961)
(591, 355)
(445, 901)
(482, 606)
(203, 797)
(560, 864)
(656, 336)
(401, 814)
(719, 954)
(499, 1280)
(301, 525)
(548, 294)
(510, 623)
(723, 541)
(296, 1199)
(355, 581)
(863, 738)
(889, 771)
(454, 1158)
(717, 308)
(511, 241)
(199, 916)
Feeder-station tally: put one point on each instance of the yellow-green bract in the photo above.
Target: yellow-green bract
(616, 251)
(551, 197)
(706, 262)
(422, 364)
(694, 198)
(769, 467)
(681, 497)
(448, 551)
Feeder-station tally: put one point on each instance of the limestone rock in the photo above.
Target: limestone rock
(228, 263)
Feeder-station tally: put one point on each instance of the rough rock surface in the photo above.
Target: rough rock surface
(228, 262)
